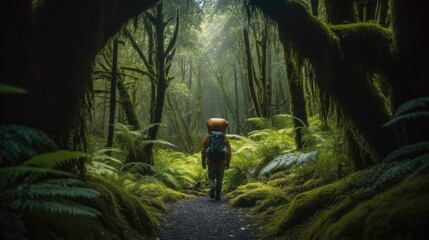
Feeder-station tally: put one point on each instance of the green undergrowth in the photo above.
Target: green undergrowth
(124, 215)
(354, 207)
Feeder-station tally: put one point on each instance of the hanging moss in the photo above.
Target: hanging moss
(351, 90)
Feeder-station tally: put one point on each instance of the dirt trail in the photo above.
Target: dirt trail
(202, 218)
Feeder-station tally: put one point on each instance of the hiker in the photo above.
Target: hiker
(216, 153)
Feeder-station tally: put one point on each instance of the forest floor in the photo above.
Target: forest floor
(203, 218)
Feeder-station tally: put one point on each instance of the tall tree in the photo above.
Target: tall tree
(73, 31)
(158, 70)
(336, 57)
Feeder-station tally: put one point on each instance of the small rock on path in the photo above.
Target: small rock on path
(205, 219)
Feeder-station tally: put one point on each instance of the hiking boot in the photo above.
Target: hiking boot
(212, 193)
(217, 198)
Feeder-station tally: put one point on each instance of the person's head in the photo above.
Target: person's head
(217, 124)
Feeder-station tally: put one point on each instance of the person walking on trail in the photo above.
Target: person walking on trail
(216, 154)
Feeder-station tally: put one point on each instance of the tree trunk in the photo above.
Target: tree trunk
(250, 75)
(298, 103)
(162, 56)
(127, 105)
(355, 97)
(58, 87)
(113, 94)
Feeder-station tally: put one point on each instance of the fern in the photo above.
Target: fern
(10, 175)
(411, 159)
(51, 190)
(412, 105)
(402, 170)
(285, 161)
(407, 151)
(411, 110)
(36, 186)
(9, 89)
(54, 206)
(19, 143)
(54, 159)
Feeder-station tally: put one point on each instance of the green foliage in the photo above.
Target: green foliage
(8, 89)
(411, 158)
(27, 188)
(407, 152)
(413, 109)
(36, 184)
(129, 138)
(282, 162)
(399, 213)
(19, 143)
(258, 195)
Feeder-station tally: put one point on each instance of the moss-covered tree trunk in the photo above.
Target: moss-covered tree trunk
(354, 96)
(298, 103)
(127, 104)
(55, 46)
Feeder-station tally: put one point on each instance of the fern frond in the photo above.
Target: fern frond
(158, 141)
(107, 159)
(285, 161)
(412, 105)
(410, 110)
(104, 151)
(283, 116)
(54, 159)
(149, 126)
(6, 89)
(260, 122)
(407, 151)
(168, 179)
(19, 143)
(401, 170)
(47, 190)
(54, 206)
(9, 175)
(406, 117)
(138, 168)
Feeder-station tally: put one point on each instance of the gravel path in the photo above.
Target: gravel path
(202, 219)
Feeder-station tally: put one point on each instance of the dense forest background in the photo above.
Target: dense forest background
(104, 107)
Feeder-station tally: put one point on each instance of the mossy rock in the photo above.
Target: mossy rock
(123, 216)
(307, 204)
(399, 213)
(165, 194)
(258, 193)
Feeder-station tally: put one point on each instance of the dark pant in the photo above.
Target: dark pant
(215, 177)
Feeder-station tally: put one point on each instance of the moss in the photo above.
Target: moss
(305, 205)
(157, 191)
(258, 195)
(323, 219)
(400, 213)
(124, 213)
(124, 216)
(366, 44)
